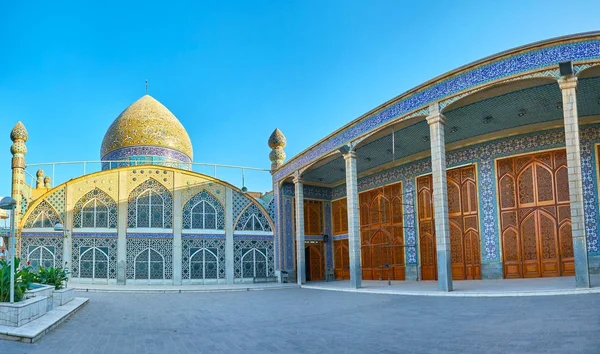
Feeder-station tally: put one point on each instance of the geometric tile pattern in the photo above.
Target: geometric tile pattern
(44, 215)
(252, 219)
(209, 215)
(157, 206)
(149, 258)
(104, 204)
(94, 257)
(253, 258)
(239, 203)
(203, 259)
(51, 249)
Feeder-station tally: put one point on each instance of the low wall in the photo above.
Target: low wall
(23, 312)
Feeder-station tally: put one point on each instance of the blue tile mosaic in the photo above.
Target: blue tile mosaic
(519, 63)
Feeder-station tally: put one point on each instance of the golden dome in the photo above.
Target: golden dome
(146, 122)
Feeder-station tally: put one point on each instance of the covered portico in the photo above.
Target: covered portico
(488, 172)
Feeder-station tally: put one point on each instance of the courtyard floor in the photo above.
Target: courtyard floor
(298, 320)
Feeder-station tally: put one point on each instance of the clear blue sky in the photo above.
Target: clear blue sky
(232, 71)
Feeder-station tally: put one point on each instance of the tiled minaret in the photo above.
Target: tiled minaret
(18, 149)
(277, 142)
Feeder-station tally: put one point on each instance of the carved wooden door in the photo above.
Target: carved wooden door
(463, 216)
(315, 261)
(341, 258)
(426, 228)
(381, 224)
(535, 216)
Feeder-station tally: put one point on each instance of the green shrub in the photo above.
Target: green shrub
(56, 276)
(23, 279)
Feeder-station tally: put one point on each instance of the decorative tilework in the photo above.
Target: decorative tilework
(288, 189)
(252, 219)
(276, 217)
(167, 202)
(42, 234)
(104, 200)
(105, 250)
(239, 203)
(410, 232)
(535, 59)
(94, 235)
(213, 264)
(253, 237)
(203, 236)
(57, 200)
(340, 237)
(288, 232)
(146, 152)
(54, 245)
(253, 258)
(43, 215)
(208, 221)
(146, 122)
(314, 192)
(138, 247)
(329, 233)
(149, 235)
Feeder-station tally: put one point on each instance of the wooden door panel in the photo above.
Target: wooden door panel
(535, 240)
(463, 211)
(341, 259)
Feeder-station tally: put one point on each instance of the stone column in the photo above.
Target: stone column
(568, 86)
(300, 266)
(229, 254)
(353, 220)
(437, 123)
(177, 227)
(68, 227)
(122, 229)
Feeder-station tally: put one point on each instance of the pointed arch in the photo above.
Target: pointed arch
(203, 211)
(43, 216)
(252, 219)
(150, 205)
(95, 209)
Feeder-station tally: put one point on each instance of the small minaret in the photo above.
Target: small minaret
(18, 149)
(277, 142)
(39, 183)
(47, 182)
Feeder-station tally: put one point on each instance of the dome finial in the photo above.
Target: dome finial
(19, 132)
(277, 142)
(146, 86)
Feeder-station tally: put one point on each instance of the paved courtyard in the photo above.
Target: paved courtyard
(313, 321)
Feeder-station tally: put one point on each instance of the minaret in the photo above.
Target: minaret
(277, 142)
(18, 149)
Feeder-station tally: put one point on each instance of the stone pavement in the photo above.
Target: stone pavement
(308, 321)
(468, 288)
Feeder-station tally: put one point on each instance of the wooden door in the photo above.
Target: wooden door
(381, 224)
(426, 228)
(535, 218)
(463, 216)
(341, 259)
(314, 261)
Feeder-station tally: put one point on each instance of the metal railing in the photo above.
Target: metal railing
(234, 174)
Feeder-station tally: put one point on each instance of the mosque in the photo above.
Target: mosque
(489, 171)
(145, 218)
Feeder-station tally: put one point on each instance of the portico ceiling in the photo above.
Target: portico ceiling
(521, 107)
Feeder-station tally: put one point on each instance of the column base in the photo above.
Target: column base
(594, 264)
(493, 270)
(444, 271)
(411, 272)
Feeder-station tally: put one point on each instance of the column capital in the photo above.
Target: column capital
(566, 83)
(349, 155)
(297, 179)
(436, 118)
